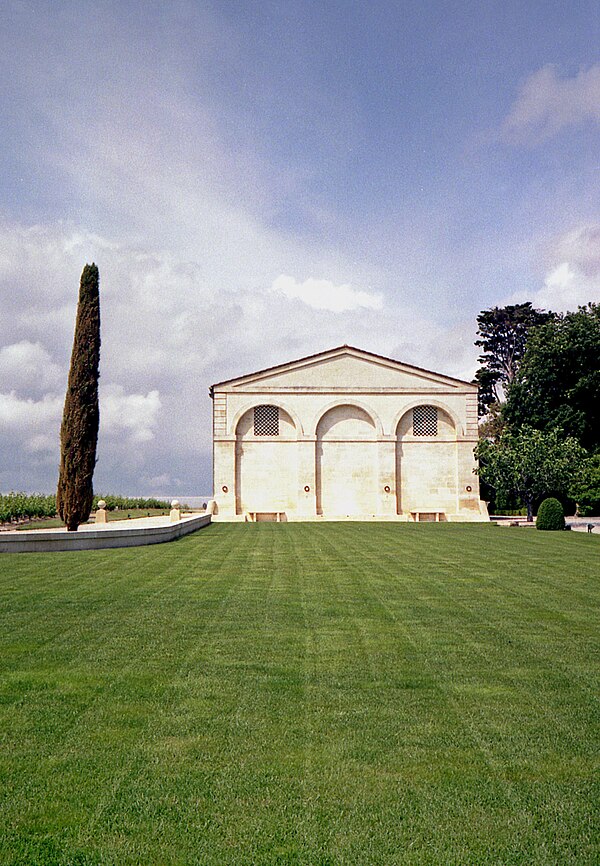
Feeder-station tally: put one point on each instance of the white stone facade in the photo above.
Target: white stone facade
(345, 433)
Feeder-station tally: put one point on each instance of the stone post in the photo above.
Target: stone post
(175, 514)
(101, 512)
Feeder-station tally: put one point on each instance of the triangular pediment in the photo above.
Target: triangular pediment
(344, 369)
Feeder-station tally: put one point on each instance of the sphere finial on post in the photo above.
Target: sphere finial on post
(101, 512)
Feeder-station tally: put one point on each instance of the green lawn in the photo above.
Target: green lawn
(304, 694)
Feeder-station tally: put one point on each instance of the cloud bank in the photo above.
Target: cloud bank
(166, 336)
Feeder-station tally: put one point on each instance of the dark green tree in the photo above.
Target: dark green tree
(530, 463)
(503, 333)
(79, 430)
(558, 382)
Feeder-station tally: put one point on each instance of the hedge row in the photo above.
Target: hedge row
(21, 506)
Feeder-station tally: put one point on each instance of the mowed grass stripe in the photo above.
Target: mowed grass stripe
(511, 793)
(480, 705)
(304, 693)
(94, 574)
(86, 715)
(359, 721)
(225, 738)
(406, 726)
(573, 727)
(526, 621)
(191, 731)
(185, 634)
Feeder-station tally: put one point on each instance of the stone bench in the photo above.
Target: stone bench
(265, 516)
(428, 515)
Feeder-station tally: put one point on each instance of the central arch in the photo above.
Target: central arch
(346, 462)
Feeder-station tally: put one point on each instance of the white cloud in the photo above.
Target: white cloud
(325, 295)
(581, 246)
(573, 276)
(24, 413)
(27, 365)
(31, 427)
(135, 415)
(567, 287)
(546, 104)
(572, 271)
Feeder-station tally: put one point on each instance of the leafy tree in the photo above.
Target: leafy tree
(492, 426)
(503, 333)
(79, 430)
(558, 382)
(530, 463)
(586, 489)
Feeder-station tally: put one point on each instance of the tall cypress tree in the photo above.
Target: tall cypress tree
(81, 415)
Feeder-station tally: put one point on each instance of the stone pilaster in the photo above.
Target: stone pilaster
(386, 493)
(307, 499)
(224, 475)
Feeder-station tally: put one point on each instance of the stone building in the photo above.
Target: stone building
(345, 433)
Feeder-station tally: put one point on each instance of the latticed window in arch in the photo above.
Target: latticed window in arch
(266, 421)
(425, 421)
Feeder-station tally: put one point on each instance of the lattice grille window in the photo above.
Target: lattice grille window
(266, 421)
(425, 421)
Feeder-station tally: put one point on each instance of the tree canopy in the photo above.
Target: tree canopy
(530, 463)
(585, 489)
(557, 384)
(503, 333)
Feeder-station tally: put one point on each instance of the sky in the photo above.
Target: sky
(259, 181)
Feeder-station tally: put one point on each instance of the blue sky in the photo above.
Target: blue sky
(260, 181)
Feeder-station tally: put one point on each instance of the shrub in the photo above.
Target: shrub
(550, 515)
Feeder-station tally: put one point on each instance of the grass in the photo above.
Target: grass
(304, 694)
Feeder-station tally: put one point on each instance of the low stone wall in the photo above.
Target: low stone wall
(133, 533)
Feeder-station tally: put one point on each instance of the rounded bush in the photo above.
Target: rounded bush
(550, 515)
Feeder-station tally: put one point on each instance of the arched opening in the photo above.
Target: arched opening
(426, 461)
(346, 462)
(266, 474)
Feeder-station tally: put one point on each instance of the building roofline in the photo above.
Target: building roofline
(330, 352)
